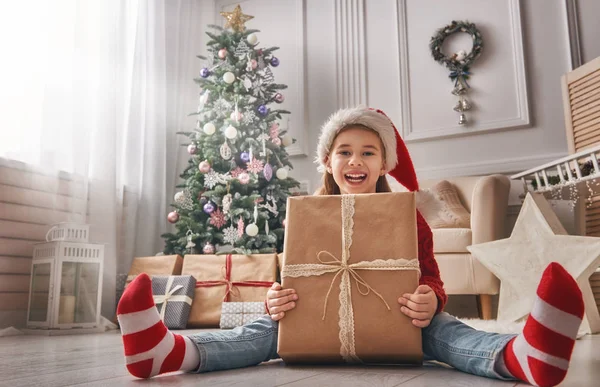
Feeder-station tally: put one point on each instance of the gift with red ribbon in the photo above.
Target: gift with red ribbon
(227, 278)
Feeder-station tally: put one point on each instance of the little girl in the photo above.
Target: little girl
(357, 148)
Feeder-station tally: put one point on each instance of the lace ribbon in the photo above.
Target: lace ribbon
(347, 272)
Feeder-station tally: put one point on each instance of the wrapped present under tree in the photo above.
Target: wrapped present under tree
(225, 278)
(173, 297)
(235, 314)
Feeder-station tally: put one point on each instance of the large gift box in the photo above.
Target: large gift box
(157, 265)
(173, 297)
(227, 278)
(235, 314)
(349, 258)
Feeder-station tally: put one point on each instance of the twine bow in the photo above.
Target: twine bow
(169, 296)
(347, 271)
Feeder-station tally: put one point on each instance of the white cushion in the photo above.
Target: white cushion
(451, 240)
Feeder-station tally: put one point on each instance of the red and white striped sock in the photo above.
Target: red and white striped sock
(541, 354)
(150, 348)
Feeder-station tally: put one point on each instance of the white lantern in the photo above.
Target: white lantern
(65, 291)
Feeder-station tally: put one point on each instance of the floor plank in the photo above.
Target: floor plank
(98, 360)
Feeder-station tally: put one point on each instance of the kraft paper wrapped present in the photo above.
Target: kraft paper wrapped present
(227, 278)
(157, 265)
(173, 297)
(349, 258)
(235, 314)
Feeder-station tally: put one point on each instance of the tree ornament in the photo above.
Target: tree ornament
(204, 166)
(244, 178)
(252, 39)
(235, 117)
(274, 62)
(236, 172)
(192, 149)
(240, 227)
(225, 151)
(253, 63)
(282, 173)
(268, 77)
(279, 98)
(209, 128)
(173, 217)
(247, 84)
(231, 132)
(230, 235)
(283, 223)
(262, 110)
(226, 203)
(211, 179)
(208, 208)
(236, 19)
(204, 72)
(458, 63)
(268, 172)
(222, 53)
(208, 248)
(287, 140)
(248, 117)
(190, 243)
(228, 77)
(184, 199)
(242, 49)
(252, 230)
(179, 197)
(255, 165)
(245, 156)
(217, 219)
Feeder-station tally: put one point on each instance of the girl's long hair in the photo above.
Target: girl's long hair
(330, 187)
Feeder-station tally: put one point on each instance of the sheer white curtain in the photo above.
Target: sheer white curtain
(96, 90)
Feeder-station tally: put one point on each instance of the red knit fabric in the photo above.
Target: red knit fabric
(430, 273)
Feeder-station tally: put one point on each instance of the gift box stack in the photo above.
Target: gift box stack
(227, 278)
(350, 267)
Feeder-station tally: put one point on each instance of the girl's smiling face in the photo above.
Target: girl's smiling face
(356, 160)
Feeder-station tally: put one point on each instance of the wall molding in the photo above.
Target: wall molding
(294, 123)
(572, 22)
(520, 121)
(503, 166)
(351, 63)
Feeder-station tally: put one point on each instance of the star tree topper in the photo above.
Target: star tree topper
(236, 19)
(537, 239)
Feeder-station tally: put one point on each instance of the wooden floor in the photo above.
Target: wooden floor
(97, 360)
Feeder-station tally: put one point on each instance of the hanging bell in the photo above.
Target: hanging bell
(459, 89)
(458, 107)
(462, 119)
(466, 105)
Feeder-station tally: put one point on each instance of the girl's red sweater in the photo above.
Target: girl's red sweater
(430, 273)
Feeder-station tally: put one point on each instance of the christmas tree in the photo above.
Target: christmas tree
(236, 184)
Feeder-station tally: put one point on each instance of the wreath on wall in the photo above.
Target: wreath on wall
(458, 63)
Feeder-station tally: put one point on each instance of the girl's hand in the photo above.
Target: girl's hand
(280, 300)
(420, 306)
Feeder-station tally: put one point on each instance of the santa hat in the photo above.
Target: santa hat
(397, 159)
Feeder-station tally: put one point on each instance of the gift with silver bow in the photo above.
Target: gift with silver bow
(173, 296)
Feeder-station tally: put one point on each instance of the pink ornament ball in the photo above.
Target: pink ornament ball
(232, 116)
(222, 53)
(283, 223)
(279, 98)
(173, 217)
(253, 63)
(208, 248)
(192, 149)
(244, 178)
(204, 166)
